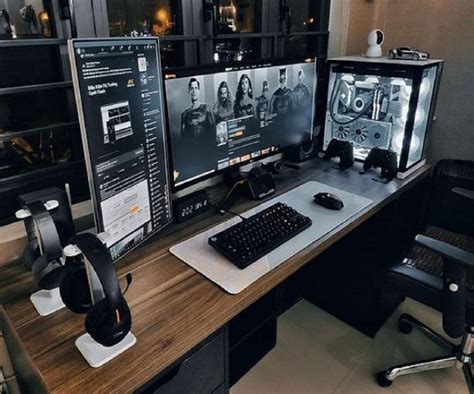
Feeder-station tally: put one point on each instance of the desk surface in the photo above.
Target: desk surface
(173, 307)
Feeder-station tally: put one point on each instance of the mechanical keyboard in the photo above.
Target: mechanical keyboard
(247, 241)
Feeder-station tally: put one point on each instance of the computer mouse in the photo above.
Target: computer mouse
(328, 200)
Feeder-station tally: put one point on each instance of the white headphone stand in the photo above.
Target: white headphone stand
(97, 355)
(47, 302)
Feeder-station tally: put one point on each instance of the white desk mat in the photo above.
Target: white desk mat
(198, 254)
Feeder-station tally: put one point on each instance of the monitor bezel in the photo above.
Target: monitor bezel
(234, 66)
(85, 144)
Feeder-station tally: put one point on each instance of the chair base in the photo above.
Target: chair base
(459, 356)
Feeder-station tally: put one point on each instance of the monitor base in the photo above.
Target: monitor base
(233, 175)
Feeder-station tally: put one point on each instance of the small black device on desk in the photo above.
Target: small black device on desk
(256, 236)
(190, 206)
(328, 200)
(383, 158)
(343, 150)
(261, 183)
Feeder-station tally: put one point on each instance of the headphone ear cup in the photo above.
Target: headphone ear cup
(47, 274)
(108, 324)
(74, 289)
(31, 253)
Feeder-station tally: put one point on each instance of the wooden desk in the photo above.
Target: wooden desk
(173, 307)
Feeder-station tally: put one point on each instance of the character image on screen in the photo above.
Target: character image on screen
(221, 134)
(262, 101)
(222, 109)
(244, 104)
(197, 121)
(283, 100)
(197, 136)
(302, 93)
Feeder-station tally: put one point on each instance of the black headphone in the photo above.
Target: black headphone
(43, 252)
(109, 320)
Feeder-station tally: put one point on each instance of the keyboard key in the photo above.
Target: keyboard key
(247, 241)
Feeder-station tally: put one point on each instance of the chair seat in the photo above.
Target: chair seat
(420, 274)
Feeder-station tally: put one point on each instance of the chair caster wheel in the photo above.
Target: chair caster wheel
(382, 380)
(404, 326)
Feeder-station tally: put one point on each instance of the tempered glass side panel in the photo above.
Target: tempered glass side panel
(367, 110)
(422, 115)
(144, 17)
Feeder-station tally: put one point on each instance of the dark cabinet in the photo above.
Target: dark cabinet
(202, 371)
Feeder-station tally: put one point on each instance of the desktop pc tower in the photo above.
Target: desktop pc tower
(381, 103)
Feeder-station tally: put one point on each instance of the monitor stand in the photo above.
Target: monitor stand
(261, 183)
(257, 184)
(233, 175)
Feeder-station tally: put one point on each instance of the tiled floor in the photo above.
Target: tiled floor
(317, 353)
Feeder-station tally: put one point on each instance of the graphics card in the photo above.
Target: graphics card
(364, 132)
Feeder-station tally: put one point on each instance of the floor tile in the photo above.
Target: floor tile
(298, 364)
(317, 353)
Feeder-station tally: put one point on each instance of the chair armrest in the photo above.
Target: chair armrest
(464, 192)
(446, 250)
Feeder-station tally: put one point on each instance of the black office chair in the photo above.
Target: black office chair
(438, 271)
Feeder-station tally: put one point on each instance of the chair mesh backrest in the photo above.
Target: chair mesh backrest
(447, 209)
(428, 261)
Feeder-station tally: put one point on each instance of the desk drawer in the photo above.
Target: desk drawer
(203, 371)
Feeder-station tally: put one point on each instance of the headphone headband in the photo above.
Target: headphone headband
(47, 231)
(99, 257)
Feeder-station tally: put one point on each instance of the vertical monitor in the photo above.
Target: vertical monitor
(221, 117)
(119, 96)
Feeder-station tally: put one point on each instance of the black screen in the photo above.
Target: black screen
(221, 118)
(118, 86)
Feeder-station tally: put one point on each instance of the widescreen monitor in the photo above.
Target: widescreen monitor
(119, 95)
(220, 117)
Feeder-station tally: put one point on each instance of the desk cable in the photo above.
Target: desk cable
(222, 211)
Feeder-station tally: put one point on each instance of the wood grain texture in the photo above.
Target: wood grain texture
(173, 307)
